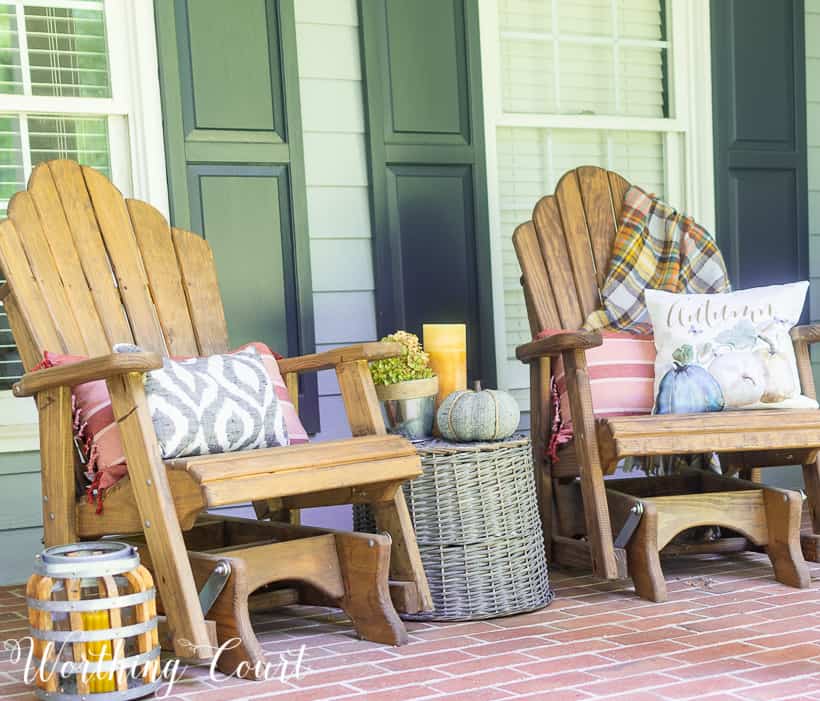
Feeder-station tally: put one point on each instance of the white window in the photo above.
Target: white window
(622, 84)
(78, 80)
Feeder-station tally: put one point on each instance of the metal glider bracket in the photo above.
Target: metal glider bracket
(630, 525)
(214, 585)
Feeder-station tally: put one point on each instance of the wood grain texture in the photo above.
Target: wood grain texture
(783, 509)
(592, 480)
(579, 247)
(44, 270)
(330, 359)
(85, 232)
(40, 326)
(126, 262)
(542, 310)
(556, 260)
(558, 343)
(198, 269)
(99, 368)
(52, 217)
(540, 422)
(164, 279)
(57, 460)
(596, 197)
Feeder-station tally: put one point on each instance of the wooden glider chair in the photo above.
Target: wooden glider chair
(86, 269)
(564, 254)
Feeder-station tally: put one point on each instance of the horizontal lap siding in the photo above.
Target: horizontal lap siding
(330, 85)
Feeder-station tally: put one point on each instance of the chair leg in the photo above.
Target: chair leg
(365, 564)
(811, 481)
(393, 517)
(643, 558)
(540, 412)
(783, 512)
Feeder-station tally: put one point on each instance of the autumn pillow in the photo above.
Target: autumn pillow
(621, 376)
(97, 434)
(727, 351)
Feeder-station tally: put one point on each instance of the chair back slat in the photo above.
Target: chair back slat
(600, 217)
(538, 295)
(575, 229)
(164, 280)
(88, 243)
(579, 246)
(198, 269)
(53, 219)
(126, 261)
(23, 215)
(555, 259)
(39, 324)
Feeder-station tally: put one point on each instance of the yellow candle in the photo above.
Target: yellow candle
(447, 346)
(98, 651)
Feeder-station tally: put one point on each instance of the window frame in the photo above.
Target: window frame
(687, 135)
(134, 113)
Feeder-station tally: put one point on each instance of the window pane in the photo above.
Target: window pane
(11, 76)
(525, 15)
(586, 79)
(528, 76)
(67, 52)
(641, 81)
(81, 139)
(590, 17)
(641, 19)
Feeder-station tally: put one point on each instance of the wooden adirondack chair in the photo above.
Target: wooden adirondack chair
(564, 255)
(85, 269)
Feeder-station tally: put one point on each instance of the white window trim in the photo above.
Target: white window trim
(689, 156)
(134, 63)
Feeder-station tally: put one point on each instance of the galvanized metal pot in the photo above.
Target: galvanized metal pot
(409, 407)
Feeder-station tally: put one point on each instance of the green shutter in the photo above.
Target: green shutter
(422, 74)
(235, 163)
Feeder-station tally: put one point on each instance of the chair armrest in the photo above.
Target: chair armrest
(810, 333)
(558, 343)
(99, 368)
(330, 359)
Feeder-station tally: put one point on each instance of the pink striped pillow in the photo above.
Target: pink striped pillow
(621, 378)
(98, 436)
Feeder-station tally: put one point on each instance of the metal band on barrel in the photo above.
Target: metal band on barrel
(124, 663)
(87, 636)
(112, 602)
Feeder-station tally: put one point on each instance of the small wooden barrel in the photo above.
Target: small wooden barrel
(93, 618)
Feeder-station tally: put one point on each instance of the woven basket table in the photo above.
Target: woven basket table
(476, 518)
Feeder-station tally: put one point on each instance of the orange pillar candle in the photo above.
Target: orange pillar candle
(447, 346)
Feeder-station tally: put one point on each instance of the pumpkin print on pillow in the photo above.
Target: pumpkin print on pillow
(727, 351)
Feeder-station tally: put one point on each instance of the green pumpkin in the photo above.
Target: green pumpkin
(478, 415)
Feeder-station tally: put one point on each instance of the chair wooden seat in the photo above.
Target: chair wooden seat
(722, 432)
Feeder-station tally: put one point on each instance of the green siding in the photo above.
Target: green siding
(20, 515)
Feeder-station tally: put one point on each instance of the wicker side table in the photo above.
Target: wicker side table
(476, 519)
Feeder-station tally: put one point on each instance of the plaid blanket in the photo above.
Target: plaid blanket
(658, 248)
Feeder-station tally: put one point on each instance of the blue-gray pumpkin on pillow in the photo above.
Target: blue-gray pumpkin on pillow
(480, 415)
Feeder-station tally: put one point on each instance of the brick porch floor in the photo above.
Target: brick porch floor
(729, 631)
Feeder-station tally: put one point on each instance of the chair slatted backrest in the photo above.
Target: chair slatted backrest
(87, 268)
(564, 250)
